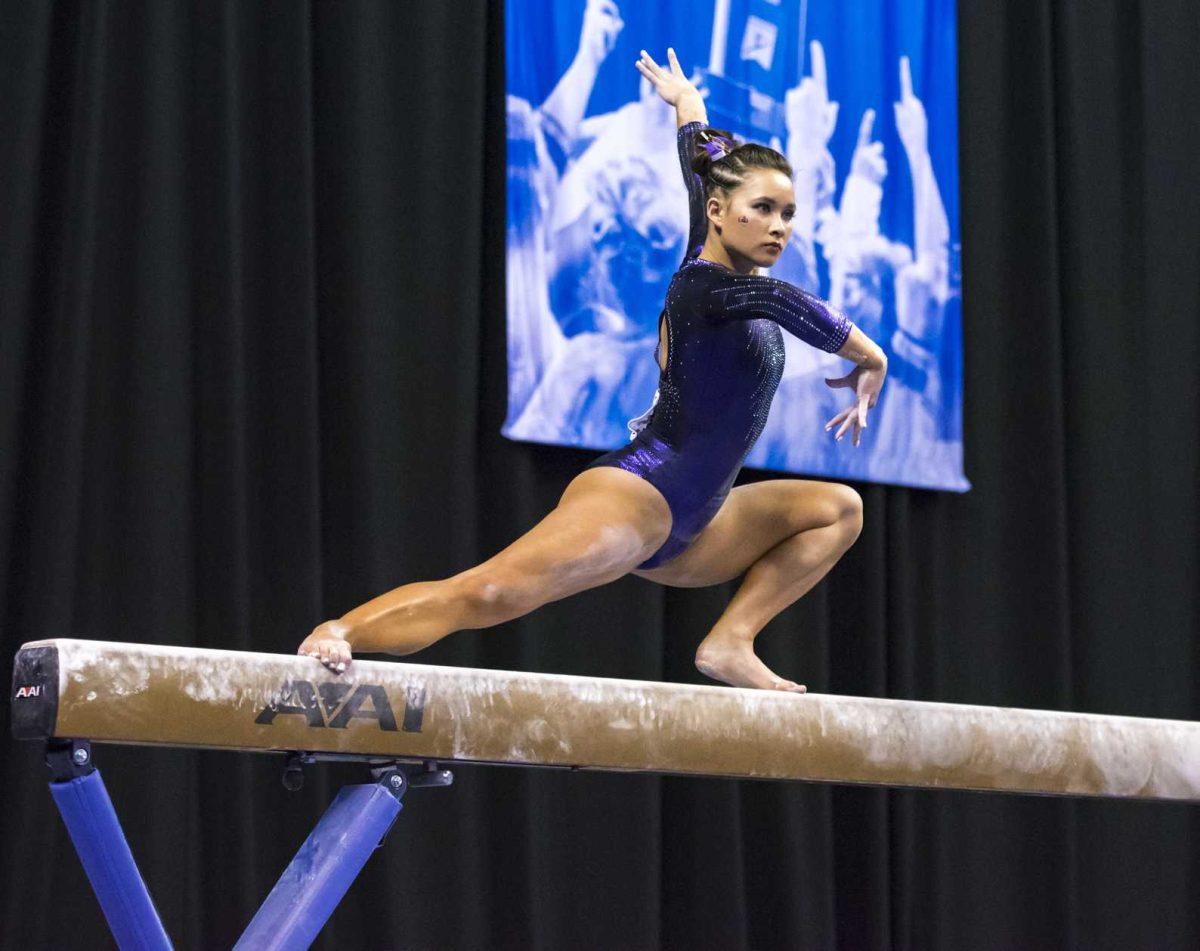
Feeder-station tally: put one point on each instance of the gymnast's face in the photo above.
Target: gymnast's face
(755, 219)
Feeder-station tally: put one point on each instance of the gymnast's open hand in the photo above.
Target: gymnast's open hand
(866, 383)
(670, 84)
(327, 643)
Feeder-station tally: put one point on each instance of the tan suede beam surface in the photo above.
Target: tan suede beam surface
(148, 694)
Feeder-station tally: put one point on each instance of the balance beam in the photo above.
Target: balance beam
(188, 697)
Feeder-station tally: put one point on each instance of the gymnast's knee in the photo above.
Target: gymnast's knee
(848, 507)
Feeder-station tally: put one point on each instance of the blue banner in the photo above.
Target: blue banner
(860, 95)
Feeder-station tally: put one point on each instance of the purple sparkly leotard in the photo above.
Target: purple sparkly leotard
(724, 361)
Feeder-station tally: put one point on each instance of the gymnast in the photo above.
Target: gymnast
(663, 507)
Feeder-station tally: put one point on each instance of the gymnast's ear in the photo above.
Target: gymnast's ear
(715, 207)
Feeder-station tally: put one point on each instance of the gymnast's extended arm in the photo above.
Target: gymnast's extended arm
(817, 323)
(685, 144)
(804, 315)
(691, 118)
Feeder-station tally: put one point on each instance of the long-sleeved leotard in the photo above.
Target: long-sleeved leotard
(723, 362)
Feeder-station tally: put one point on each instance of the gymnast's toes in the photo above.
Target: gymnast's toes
(329, 649)
(335, 654)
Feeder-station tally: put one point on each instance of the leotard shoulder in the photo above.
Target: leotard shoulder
(731, 296)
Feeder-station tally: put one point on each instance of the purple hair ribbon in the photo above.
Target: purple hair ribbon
(718, 147)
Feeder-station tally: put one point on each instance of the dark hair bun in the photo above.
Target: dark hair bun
(702, 158)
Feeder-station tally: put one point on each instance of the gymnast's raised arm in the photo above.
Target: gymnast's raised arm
(691, 119)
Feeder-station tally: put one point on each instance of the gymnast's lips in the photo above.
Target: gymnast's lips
(774, 244)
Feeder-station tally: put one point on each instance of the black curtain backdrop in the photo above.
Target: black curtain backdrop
(252, 372)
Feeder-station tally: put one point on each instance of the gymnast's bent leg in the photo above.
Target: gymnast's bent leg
(607, 522)
(785, 535)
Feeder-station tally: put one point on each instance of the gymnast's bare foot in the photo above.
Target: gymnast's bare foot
(328, 645)
(734, 662)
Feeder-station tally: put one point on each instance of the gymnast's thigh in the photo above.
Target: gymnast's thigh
(606, 522)
(753, 520)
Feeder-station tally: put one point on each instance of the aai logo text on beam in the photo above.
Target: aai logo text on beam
(334, 705)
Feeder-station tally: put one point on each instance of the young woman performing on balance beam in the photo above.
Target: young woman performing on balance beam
(663, 507)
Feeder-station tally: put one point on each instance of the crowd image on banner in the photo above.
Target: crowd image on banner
(597, 220)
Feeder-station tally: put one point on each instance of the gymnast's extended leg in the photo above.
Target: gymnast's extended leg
(785, 535)
(607, 522)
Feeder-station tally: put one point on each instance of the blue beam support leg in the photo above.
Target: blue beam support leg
(324, 868)
(92, 824)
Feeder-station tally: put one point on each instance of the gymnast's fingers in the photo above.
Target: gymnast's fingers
(851, 417)
(838, 418)
(674, 61)
(648, 60)
(651, 72)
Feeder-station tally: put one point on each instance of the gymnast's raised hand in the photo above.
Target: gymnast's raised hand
(664, 506)
(670, 84)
